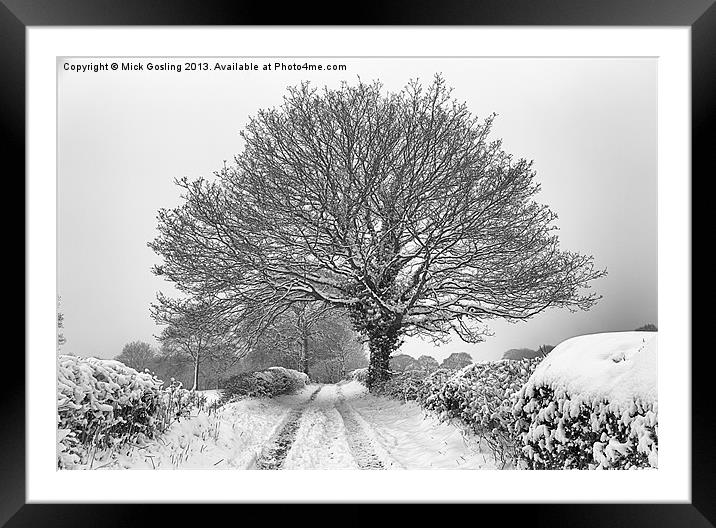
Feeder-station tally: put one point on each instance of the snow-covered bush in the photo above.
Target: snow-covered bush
(103, 404)
(592, 404)
(480, 397)
(263, 383)
(403, 385)
(360, 375)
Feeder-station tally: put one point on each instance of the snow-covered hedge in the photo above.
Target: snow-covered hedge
(360, 375)
(264, 383)
(480, 397)
(403, 385)
(103, 404)
(592, 404)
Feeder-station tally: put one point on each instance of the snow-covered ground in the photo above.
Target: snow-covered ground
(322, 427)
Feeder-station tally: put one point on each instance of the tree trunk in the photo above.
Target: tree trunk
(382, 345)
(304, 355)
(196, 374)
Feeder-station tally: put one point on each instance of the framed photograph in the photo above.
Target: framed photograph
(439, 255)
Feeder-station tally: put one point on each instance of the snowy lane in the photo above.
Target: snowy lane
(321, 442)
(344, 427)
(321, 427)
(274, 454)
(414, 439)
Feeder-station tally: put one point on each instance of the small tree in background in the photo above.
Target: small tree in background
(647, 328)
(196, 328)
(138, 355)
(302, 336)
(403, 362)
(527, 353)
(543, 350)
(457, 360)
(428, 364)
(520, 353)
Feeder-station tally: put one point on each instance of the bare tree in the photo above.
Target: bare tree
(197, 328)
(393, 206)
(301, 335)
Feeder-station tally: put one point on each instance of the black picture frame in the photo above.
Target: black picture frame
(700, 15)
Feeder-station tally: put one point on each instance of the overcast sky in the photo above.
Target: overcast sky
(588, 124)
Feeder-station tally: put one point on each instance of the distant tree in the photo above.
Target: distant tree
(138, 355)
(403, 362)
(428, 363)
(294, 338)
(397, 207)
(60, 325)
(348, 357)
(527, 353)
(343, 350)
(519, 353)
(172, 364)
(543, 350)
(218, 363)
(647, 328)
(305, 335)
(456, 360)
(196, 328)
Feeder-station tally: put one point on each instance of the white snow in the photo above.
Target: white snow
(231, 438)
(321, 441)
(343, 427)
(619, 367)
(610, 376)
(416, 439)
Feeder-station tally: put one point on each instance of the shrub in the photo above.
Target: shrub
(103, 404)
(592, 405)
(480, 397)
(403, 385)
(263, 383)
(360, 375)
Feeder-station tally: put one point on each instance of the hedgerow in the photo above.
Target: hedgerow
(404, 386)
(360, 375)
(559, 433)
(592, 405)
(480, 398)
(263, 383)
(103, 405)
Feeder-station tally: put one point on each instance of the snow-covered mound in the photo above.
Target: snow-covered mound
(592, 403)
(619, 367)
(263, 383)
(301, 378)
(360, 375)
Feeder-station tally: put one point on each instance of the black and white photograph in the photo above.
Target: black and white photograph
(283, 263)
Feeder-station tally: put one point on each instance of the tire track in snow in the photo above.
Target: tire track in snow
(360, 443)
(273, 456)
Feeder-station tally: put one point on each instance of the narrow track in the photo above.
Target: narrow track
(361, 446)
(273, 456)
